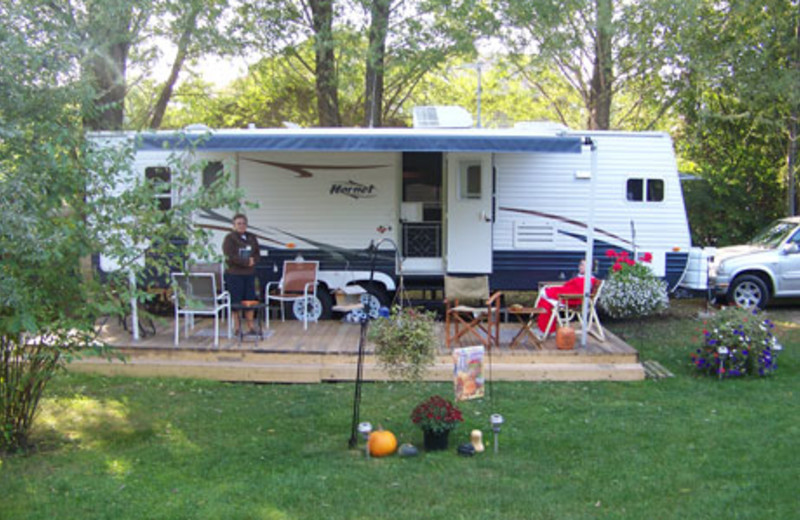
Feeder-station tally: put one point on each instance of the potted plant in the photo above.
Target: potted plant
(437, 417)
(737, 342)
(405, 342)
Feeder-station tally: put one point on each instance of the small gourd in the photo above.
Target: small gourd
(381, 443)
(476, 438)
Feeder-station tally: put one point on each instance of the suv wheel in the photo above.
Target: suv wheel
(748, 291)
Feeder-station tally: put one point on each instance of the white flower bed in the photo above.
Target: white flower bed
(633, 297)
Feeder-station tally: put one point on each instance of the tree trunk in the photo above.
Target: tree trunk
(376, 57)
(603, 70)
(791, 155)
(180, 58)
(106, 69)
(108, 45)
(326, 77)
(791, 164)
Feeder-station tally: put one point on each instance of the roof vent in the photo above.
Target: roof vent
(542, 127)
(197, 127)
(442, 117)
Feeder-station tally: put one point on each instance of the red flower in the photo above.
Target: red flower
(616, 267)
(647, 258)
(436, 413)
(610, 253)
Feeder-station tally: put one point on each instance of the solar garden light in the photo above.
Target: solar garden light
(365, 428)
(496, 419)
(777, 348)
(723, 353)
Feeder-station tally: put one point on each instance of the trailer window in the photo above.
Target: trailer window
(650, 190)
(212, 173)
(470, 180)
(160, 176)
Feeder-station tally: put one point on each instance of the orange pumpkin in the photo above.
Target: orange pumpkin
(381, 443)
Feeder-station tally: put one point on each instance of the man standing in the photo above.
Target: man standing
(241, 256)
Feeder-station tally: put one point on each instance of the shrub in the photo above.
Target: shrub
(737, 342)
(632, 290)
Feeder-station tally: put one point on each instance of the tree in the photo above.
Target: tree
(398, 45)
(61, 202)
(740, 101)
(107, 30)
(376, 61)
(604, 50)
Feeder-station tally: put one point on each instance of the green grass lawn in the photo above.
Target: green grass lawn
(684, 447)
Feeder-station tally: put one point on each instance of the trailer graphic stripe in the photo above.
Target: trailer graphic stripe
(302, 170)
(565, 220)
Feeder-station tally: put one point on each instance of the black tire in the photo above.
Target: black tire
(748, 291)
(320, 308)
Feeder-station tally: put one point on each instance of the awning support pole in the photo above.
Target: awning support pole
(587, 279)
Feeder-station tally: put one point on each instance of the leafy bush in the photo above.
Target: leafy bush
(737, 342)
(632, 290)
(405, 342)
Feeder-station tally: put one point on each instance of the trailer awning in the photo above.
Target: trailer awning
(366, 140)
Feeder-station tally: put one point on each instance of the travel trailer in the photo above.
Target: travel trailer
(375, 206)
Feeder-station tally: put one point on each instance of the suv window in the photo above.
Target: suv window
(774, 234)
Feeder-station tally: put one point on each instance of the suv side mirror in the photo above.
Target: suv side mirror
(791, 249)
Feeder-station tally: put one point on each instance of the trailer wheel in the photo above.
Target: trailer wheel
(374, 298)
(319, 308)
(748, 291)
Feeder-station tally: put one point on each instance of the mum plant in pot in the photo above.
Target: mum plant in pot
(437, 417)
(405, 342)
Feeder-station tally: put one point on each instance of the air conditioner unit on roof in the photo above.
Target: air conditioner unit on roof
(441, 117)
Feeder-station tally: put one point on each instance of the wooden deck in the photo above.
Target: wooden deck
(328, 352)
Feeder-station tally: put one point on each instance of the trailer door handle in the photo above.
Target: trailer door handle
(485, 216)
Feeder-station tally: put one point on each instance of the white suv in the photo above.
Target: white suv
(767, 267)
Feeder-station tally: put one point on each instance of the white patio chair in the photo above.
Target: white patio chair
(197, 294)
(298, 285)
(568, 308)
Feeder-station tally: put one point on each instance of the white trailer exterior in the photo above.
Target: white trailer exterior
(513, 204)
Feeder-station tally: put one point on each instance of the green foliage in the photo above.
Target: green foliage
(63, 201)
(631, 43)
(405, 342)
(737, 342)
(632, 290)
(738, 111)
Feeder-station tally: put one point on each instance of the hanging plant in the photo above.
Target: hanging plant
(405, 342)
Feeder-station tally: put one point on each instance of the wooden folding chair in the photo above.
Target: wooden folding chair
(470, 309)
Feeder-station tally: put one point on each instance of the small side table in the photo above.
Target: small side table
(259, 309)
(527, 319)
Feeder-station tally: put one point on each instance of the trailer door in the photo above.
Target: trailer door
(469, 213)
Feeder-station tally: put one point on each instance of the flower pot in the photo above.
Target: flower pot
(434, 441)
(565, 338)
